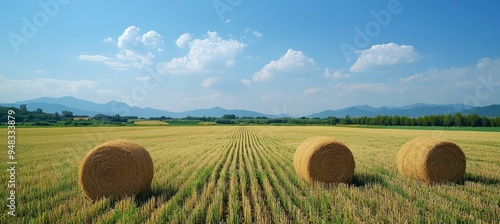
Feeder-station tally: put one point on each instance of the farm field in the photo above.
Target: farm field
(152, 122)
(245, 174)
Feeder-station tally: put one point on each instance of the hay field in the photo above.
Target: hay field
(246, 175)
(150, 122)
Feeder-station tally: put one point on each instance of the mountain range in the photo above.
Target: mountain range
(84, 107)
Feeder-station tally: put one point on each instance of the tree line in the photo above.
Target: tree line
(66, 118)
(445, 120)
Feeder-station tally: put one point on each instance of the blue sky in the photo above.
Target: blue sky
(294, 57)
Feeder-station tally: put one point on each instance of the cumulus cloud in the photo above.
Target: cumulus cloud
(135, 49)
(138, 49)
(183, 40)
(337, 74)
(115, 64)
(311, 91)
(209, 81)
(291, 62)
(384, 54)
(213, 52)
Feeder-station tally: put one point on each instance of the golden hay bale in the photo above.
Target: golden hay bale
(324, 159)
(116, 169)
(431, 160)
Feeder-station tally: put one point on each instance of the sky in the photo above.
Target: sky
(275, 57)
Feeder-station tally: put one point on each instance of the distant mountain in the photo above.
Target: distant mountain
(219, 112)
(415, 110)
(84, 107)
(51, 108)
(489, 111)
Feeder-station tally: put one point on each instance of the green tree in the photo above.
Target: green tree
(229, 116)
(346, 120)
(458, 119)
(67, 113)
(57, 117)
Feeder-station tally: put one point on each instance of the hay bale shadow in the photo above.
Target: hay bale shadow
(479, 179)
(363, 179)
(163, 193)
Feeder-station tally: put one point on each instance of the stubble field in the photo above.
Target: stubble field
(245, 175)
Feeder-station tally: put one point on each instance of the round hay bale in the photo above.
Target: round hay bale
(116, 169)
(325, 160)
(431, 160)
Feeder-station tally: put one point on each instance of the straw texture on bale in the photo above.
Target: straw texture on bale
(116, 169)
(431, 160)
(325, 160)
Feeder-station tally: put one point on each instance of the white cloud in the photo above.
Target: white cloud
(439, 75)
(107, 40)
(384, 54)
(183, 40)
(209, 81)
(311, 91)
(477, 84)
(254, 33)
(137, 60)
(245, 82)
(337, 74)
(204, 55)
(485, 62)
(115, 64)
(43, 86)
(152, 39)
(257, 34)
(292, 62)
(138, 49)
(134, 49)
(228, 20)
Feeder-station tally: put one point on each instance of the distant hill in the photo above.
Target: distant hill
(219, 112)
(489, 111)
(84, 107)
(415, 110)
